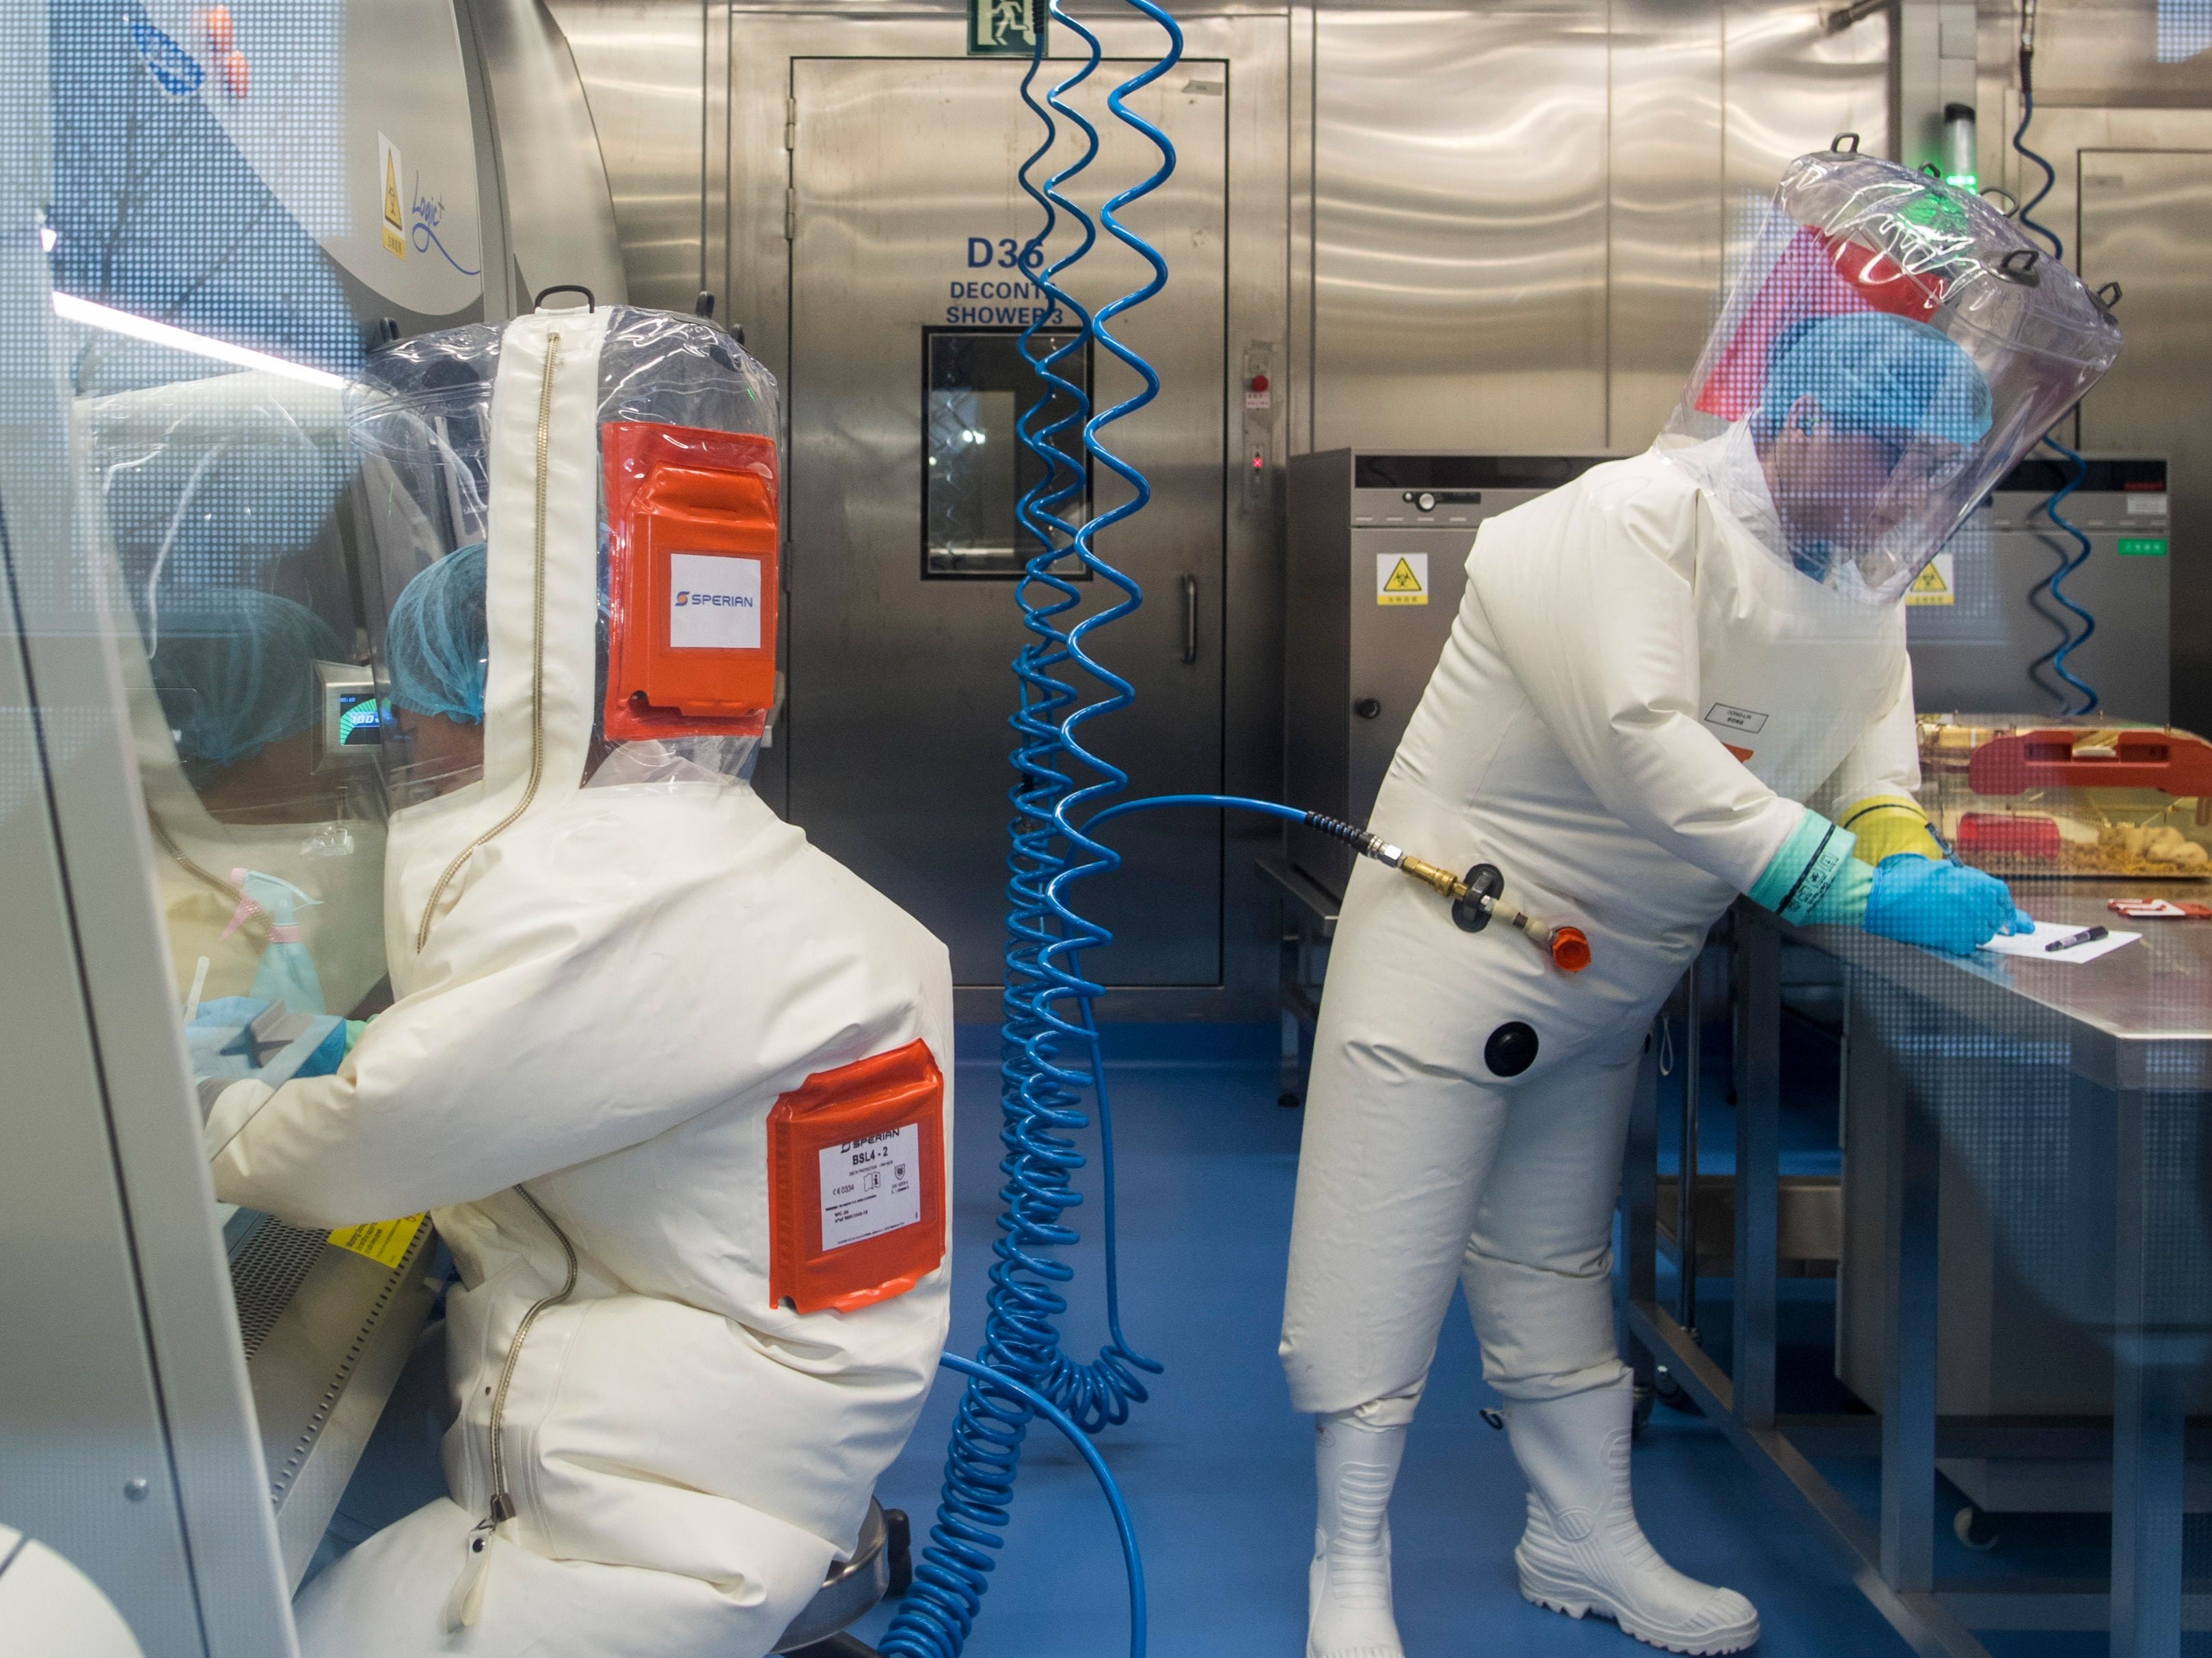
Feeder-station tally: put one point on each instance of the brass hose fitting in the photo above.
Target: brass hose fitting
(1474, 897)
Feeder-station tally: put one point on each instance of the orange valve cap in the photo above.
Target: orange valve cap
(1571, 948)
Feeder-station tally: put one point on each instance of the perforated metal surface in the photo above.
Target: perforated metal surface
(266, 1271)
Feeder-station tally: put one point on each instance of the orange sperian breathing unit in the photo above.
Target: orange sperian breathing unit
(692, 540)
(856, 1182)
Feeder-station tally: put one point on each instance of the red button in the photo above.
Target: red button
(1258, 382)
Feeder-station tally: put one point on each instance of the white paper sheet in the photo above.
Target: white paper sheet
(2031, 944)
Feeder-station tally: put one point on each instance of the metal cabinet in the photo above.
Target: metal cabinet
(1378, 551)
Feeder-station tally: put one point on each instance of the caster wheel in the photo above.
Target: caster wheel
(1288, 1100)
(1971, 1526)
(1672, 1394)
(1642, 1419)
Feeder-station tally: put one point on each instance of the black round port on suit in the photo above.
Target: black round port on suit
(1510, 1050)
(1367, 707)
(1485, 880)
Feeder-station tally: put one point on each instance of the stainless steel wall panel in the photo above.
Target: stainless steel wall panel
(2090, 53)
(1460, 219)
(2141, 224)
(1246, 655)
(715, 165)
(645, 67)
(553, 181)
(1521, 217)
(1304, 136)
(1664, 165)
(2145, 222)
(1788, 89)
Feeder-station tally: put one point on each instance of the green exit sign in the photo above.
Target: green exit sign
(1005, 28)
(2142, 546)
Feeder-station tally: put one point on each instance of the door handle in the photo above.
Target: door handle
(1190, 620)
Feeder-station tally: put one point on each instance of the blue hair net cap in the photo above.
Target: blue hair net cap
(235, 668)
(437, 643)
(1870, 370)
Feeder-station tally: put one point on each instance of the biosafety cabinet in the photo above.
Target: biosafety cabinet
(232, 209)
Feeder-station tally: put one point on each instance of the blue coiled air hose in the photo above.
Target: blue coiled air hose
(2054, 585)
(2077, 469)
(1048, 1000)
(983, 1378)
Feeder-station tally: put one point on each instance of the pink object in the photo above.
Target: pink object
(1999, 835)
(1816, 275)
(248, 908)
(2170, 761)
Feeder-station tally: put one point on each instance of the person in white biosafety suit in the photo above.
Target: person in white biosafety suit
(1654, 667)
(643, 1033)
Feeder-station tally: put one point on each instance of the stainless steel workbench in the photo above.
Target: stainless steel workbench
(2132, 1034)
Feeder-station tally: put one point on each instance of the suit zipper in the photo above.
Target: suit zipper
(466, 1600)
(536, 653)
(502, 1502)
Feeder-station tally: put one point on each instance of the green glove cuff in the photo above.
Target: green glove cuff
(1798, 877)
(1844, 903)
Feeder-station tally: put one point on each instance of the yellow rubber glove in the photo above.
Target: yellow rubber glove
(1887, 824)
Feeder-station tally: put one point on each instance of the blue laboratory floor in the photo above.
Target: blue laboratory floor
(1219, 1468)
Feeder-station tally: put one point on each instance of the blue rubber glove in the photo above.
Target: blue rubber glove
(1944, 906)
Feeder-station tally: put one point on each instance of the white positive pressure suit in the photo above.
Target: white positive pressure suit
(1653, 668)
(603, 991)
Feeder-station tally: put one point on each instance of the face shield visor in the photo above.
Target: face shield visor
(217, 513)
(587, 540)
(1893, 346)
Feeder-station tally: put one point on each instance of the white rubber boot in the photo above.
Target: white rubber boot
(1348, 1590)
(1583, 1551)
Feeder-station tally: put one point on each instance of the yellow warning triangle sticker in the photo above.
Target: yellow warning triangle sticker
(391, 191)
(384, 1241)
(1930, 580)
(1402, 579)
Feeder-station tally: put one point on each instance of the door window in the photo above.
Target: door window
(975, 386)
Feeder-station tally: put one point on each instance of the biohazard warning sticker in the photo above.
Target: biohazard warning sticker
(390, 172)
(1934, 585)
(871, 1187)
(1401, 578)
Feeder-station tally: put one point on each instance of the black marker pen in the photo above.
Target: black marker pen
(2087, 936)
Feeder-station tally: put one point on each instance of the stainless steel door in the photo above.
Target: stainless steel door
(2146, 223)
(907, 220)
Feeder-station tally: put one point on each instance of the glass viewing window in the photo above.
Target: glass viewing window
(976, 384)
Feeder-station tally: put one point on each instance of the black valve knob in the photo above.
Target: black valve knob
(1367, 707)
